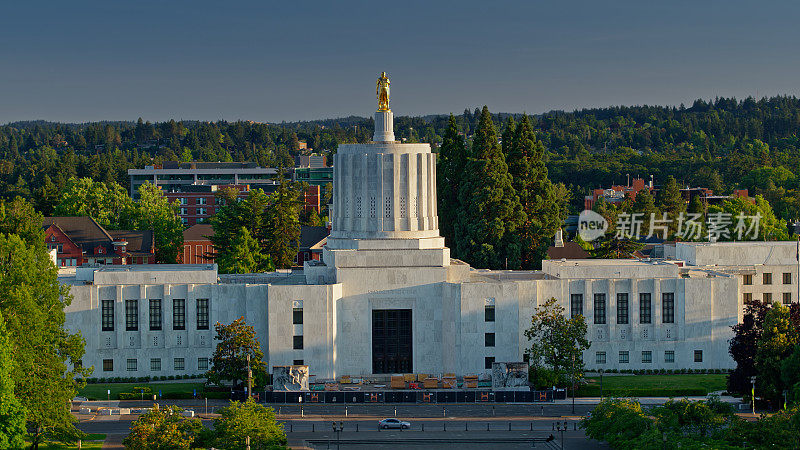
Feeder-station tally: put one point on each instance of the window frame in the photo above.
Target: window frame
(747, 279)
(489, 313)
(199, 366)
(156, 316)
(132, 362)
(599, 309)
(131, 315)
(766, 278)
(203, 313)
(489, 339)
(297, 312)
(600, 358)
(667, 355)
(645, 298)
(487, 362)
(787, 298)
(108, 365)
(667, 307)
(698, 356)
(575, 303)
(623, 314)
(647, 357)
(178, 314)
(155, 364)
(787, 277)
(297, 342)
(627, 356)
(176, 367)
(107, 315)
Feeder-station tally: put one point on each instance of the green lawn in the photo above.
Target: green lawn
(93, 441)
(98, 391)
(653, 385)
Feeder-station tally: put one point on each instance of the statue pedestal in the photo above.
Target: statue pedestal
(384, 127)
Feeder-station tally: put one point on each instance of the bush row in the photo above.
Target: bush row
(668, 371)
(143, 379)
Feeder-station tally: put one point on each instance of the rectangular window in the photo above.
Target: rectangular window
(767, 297)
(202, 313)
(645, 312)
(668, 307)
(624, 357)
(488, 340)
(179, 364)
(131, 315)
(297, 343)
(787, 278)
(178, 314)
(488, 313)
(202, 363)
(747, 280)
(647, 357)
(600, 357)
(787, 298)
(108, 365)
(698, 356)
(297, 362)
(748, 297)
(599, 308)
(108, 315)
(669, 356)
(576, 305)
(767, 277)
(202, 201)
(487, 362)
(155, 314)
(622, 309)
(297, 316)
(132, 365)
(155, 364)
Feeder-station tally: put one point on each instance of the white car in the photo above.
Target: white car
(393, 423)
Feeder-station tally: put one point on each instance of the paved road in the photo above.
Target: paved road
(427, 433)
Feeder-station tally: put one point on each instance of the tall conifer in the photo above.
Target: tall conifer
(544, 211)
(491, 213)
(450, 164)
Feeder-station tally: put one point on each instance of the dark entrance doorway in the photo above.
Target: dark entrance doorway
(391, 341)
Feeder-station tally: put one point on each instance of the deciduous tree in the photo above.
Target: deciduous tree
(163, 428)
(235, 342)
(240, 420)
(12, 414)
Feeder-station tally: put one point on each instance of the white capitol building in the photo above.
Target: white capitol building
(387, 298)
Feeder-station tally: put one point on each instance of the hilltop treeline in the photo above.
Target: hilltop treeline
(722, 144)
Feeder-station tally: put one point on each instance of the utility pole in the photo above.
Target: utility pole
(573, 384)
(249, 377)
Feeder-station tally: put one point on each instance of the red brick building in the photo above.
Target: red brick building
(198, 202)
(81, 240)
(196, 244)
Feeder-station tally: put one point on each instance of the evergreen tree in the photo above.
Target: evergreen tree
(282, 224)
(671, 202)
(491, 216)
(544, 210)
(229, 241)
(451, 160)
(154, 211)
(507, 139)
(645, 205)
(244, 255)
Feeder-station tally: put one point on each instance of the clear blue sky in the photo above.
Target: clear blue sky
(300, 60)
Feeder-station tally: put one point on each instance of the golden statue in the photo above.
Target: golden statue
(382, 90)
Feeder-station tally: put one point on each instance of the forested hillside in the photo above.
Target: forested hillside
(721, 144)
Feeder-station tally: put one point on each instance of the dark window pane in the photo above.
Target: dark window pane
(645, 313)
(131, 315)
(489, 340)
(622, 309)
(297, 343)
(202, 313)
(576, 305)
(599, 308)
(178, 314)
(488, 313)
(155, 314)
(297, 316)
(108, 315)
(668, 303)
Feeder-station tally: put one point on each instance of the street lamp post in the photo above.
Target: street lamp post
(601, 384)
(562, 429)
(753, 392)
(337, 428)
